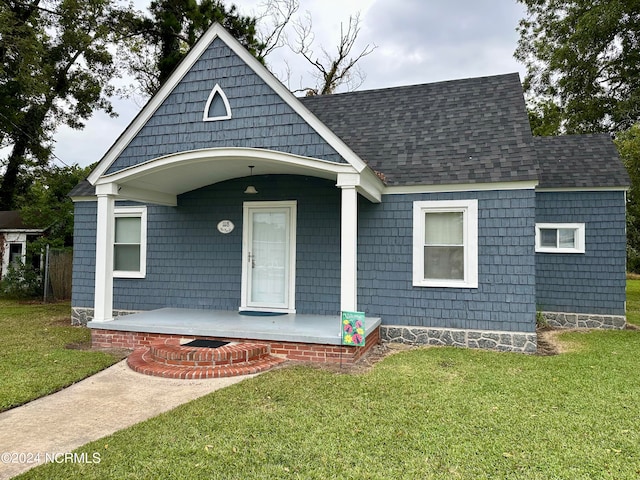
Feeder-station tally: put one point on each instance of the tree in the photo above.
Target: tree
(628, 143)
(56, 68)
(164, 39)
(175, 25)
(47, 204)
(272, 22)
(545, 118)
(331, 71)
(583, 63)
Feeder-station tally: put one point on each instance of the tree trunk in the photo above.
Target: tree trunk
(26, 139)
(10, 178)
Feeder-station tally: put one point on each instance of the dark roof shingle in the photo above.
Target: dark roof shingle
(463, 131)
(12, 220)
(590, 160)
(83, 189)
(467, 131)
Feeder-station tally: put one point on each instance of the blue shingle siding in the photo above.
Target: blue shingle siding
(260, 118)
(592, 282)
(191, 265)
(505, 297)
(84, 254)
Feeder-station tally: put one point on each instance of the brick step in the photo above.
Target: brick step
(170, 352)
(171, 360)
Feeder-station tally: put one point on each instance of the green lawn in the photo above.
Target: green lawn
(426, 413)
(34, 360)
(633, 302)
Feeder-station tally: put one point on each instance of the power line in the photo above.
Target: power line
(33, 139)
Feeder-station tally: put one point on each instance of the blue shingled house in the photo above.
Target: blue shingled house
(229, 208)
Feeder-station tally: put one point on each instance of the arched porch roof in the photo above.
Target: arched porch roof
(162, 179)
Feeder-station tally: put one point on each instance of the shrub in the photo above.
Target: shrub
(21, 281)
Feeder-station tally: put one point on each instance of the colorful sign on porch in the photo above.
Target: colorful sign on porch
(353, 328)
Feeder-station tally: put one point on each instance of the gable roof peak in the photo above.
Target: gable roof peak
(217, 31)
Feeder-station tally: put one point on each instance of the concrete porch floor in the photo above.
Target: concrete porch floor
(291, 327)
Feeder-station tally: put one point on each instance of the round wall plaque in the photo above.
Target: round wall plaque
(225, 226)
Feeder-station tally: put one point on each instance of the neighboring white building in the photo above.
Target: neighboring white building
(14, 235)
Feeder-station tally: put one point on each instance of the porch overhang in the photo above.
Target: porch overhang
(161, 180)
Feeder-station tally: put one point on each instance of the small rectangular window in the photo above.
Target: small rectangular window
(445, 249)
(15, 253)
(560, 238)
(129, 245)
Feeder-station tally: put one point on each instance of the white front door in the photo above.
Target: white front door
(268, 249)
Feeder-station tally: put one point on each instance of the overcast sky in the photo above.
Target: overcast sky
(418, 41)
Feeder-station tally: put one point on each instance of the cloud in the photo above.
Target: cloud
(421, 42)
(101, 131)
(418, 41)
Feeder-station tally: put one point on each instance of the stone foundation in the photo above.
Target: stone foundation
(584, 320)
(82, 315)
(522, 342)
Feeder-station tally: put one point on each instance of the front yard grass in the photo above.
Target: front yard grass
(633, 301)
(432, 413)
(34, 358)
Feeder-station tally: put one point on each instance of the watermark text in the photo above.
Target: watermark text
(27, 458)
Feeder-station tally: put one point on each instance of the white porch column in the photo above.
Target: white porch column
(103, 300)
(348, 249)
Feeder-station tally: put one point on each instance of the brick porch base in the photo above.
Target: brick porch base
(167, 358)
(306, 352)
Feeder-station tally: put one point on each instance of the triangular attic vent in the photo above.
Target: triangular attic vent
(217, 107)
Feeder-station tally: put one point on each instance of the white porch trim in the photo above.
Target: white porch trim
(103, 301)
(461, 187)
(148, 196)
(159, 180)
(349, 249)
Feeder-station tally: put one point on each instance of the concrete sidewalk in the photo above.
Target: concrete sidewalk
(109, 401)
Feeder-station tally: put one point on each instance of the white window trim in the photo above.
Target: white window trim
(140, 212)
(580, 234)
(469, 208)
(217, 90)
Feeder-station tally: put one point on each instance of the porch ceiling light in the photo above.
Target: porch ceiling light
(250, 189)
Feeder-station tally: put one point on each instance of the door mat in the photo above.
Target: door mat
(253, 313)
(205, 343)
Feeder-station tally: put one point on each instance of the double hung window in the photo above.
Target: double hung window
(130, 242)
(445, 243)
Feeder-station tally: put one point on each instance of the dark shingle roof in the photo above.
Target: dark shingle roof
(463, 131)
(12, 220)
(83, 189)
(580, 161)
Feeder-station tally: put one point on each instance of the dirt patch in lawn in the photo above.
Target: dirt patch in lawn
(118, 353)
(550, 344)
(61, 321)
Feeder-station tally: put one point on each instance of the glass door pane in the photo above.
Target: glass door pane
(269, 253)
